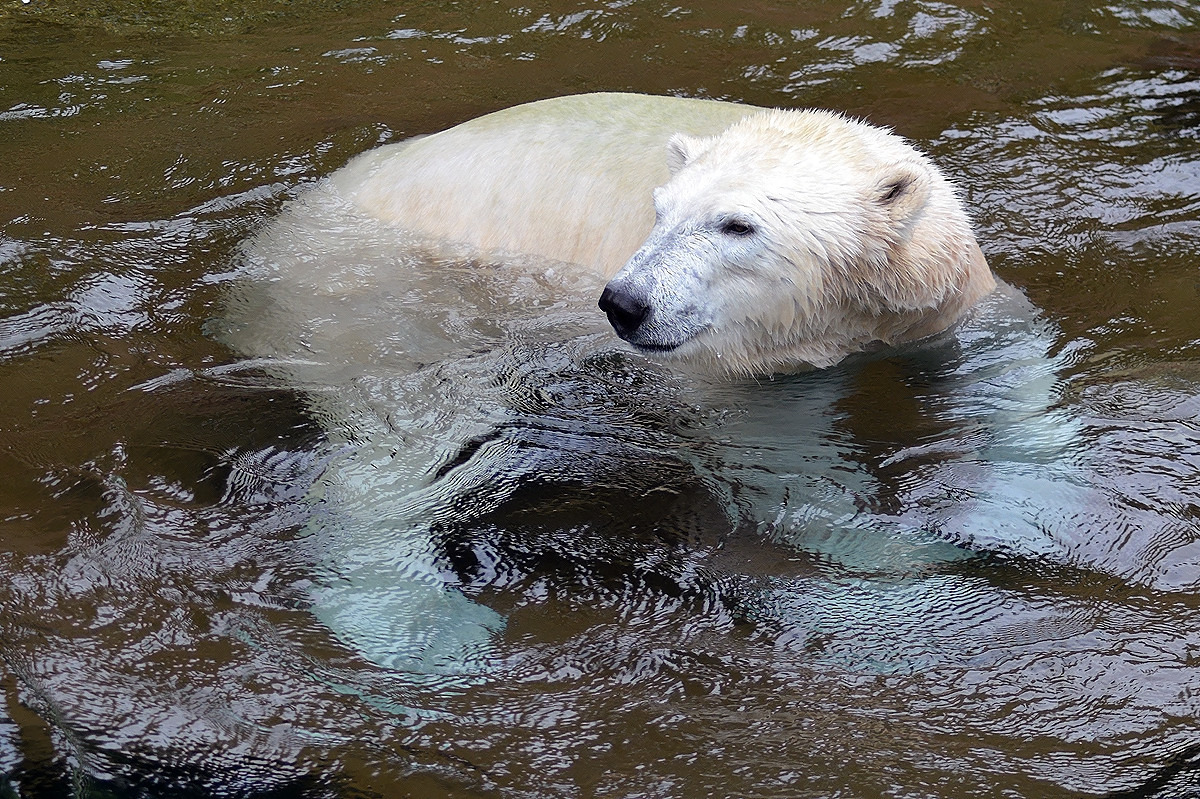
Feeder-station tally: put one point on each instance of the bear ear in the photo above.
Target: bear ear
(904, 192)
(682, 149)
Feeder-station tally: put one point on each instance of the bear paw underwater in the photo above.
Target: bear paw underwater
(753, 240)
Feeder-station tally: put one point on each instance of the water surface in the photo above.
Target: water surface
(528, 562)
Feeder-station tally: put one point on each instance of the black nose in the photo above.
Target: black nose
(625, 311)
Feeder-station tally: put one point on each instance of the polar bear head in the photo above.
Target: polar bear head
(792, 240)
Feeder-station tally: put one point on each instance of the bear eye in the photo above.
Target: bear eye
(736, 227)
(894, 190)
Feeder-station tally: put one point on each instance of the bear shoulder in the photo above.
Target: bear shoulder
(568, 179)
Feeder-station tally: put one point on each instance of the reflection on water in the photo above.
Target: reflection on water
(430, 530)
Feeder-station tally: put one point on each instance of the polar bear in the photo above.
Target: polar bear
(752, 240)
(435, 301)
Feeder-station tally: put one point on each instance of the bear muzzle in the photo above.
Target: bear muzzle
(632, 316)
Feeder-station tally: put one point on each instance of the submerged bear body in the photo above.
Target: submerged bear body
(435, 301)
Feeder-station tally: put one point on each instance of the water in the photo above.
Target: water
(529, 563)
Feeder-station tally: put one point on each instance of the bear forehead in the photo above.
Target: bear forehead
(768, 181)
(765, 192)
(814, 161)
(814, 140)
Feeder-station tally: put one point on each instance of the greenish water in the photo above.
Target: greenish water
(888, 580)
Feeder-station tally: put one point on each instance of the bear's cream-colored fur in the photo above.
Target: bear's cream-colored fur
(784, 239)
(566, 179)
(797, 238)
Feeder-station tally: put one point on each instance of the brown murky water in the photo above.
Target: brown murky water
(971, 572)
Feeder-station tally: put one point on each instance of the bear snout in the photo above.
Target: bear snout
(625, 311)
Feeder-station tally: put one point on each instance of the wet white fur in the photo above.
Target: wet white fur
(859, 239)
(855, 239)
(566, 179)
